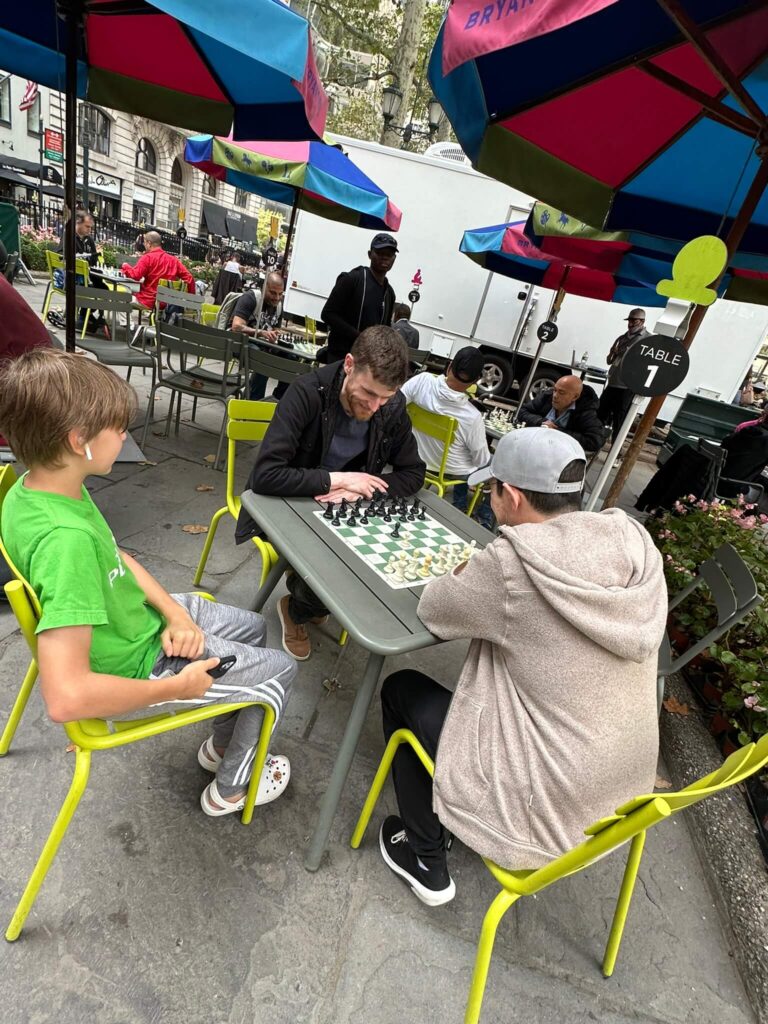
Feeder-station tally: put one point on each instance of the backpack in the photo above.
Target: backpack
(226, 310)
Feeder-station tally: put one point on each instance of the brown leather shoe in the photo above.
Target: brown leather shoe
(295, 638)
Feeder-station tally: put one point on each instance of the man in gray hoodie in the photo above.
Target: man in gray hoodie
(553, 721)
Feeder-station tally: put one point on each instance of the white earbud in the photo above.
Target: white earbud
(88, 453)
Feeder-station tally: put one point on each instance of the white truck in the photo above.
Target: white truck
(460, 303)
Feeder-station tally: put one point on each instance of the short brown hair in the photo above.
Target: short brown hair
(44, 394)
(382, 350)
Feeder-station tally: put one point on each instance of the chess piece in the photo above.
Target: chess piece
(422, 515)
(387, 517)
(364, 518)
(390, 566)
(328, 514)
(411, 573)
(400, 572)
(343, 508)
(352, 521)
(358, 506)
(336, 521)
(396, 532)
(425, 570)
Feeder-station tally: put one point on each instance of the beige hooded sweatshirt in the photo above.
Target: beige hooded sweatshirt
(553, 723)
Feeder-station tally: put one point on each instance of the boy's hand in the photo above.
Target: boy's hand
(194, 680)
(181, 638)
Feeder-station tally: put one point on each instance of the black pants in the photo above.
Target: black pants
(411, 700)
(304, 603)
(613, 408)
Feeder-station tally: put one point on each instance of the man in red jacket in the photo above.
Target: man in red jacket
(155, 265)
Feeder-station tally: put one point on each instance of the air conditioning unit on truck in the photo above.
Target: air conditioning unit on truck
(460, 303)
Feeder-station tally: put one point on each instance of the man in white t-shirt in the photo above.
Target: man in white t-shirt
(448, 396)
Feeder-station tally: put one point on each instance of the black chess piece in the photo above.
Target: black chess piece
(415, 506)
(377, 495)
(403, 517)
(352, 521)
(364, 519)
(396, 532)
(336, 521)
(328, 514)
(387, 517)
(422, 515)
(343, 509)
(358, 506)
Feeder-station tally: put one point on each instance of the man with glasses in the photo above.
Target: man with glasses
(552, 723)
(616, 398)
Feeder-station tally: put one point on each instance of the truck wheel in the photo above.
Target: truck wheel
(497, 375)
(545, 379)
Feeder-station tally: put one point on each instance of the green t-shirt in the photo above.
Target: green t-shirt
(67, 552)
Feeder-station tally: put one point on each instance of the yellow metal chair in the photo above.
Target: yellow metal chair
(628, 825)
(209, 313)
(310, 328)
(441, 428)
(55, 263)
(90, 734)
(246, 421)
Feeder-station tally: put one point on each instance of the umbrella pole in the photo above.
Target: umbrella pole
(73, 14)
(735, 235)
(289, 236)
(554, 309)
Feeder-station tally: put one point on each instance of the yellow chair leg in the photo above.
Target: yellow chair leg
(343, 637)
(622, 904)
(475, 499)
(258, 763)
(491, 921)
(398, 737)
(60, 826)
(85, 322)
(208, 543)
(18, 709)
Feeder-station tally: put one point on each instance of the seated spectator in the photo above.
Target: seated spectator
(111, 640)
(553, 721)
(260, 319)
(402, 324)
(155, 265)
(747, 449)
(448, 396)
(570, 406)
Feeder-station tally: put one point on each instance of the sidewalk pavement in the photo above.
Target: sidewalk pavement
(154, 913)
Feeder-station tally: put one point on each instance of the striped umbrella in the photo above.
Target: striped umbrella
(229, 66)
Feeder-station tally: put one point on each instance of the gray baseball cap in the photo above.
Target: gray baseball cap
(533, 459)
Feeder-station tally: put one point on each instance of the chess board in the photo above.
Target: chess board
(374, 544)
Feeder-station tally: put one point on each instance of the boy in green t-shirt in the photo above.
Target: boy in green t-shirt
(111, 641)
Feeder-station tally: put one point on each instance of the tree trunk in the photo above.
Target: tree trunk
(404, 59)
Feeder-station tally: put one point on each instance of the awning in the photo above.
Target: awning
(235, 225)
(25, 182)
(32, 169)
(215, 218)
(250, 228)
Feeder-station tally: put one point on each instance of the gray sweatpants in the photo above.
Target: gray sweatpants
(259, 673)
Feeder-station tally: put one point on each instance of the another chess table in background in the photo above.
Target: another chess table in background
(382, 619)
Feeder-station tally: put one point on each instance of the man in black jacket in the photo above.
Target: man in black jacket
(571, 407)
(360, 298)
(86, 249)
(747, 452)
(332, 434)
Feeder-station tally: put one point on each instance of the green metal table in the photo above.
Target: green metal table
(379, 618)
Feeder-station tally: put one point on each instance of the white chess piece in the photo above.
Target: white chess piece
(390, 566)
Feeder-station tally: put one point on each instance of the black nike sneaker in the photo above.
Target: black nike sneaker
(431, 883)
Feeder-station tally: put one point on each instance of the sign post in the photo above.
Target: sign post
(54, 146)
(545, 332)
(653, 366)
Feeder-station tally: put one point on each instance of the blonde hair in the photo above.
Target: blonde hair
(45, 394)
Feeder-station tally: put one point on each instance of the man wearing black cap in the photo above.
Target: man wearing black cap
(616, 398)
(360, 298)
(448, 396)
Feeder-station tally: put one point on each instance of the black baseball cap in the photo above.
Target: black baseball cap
(467, 364)
(384, 241)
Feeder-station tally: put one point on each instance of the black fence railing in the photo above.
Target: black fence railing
(122, 234)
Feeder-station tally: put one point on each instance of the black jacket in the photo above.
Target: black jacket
(584, 425)
(300, 434)
(85, 248)
(747, 453)
(344, 308)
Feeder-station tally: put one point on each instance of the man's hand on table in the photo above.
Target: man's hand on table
(268, 335)
(353, 486)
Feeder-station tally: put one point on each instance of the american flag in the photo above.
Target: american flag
(29, 97)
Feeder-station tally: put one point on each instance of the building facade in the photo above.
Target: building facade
(136, 168)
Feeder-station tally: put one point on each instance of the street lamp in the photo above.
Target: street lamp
(391, 101)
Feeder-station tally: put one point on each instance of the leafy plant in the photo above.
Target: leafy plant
(686, 536)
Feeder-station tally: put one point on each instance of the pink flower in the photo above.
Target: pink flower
(753, 703)
(702, 504)
(691, 497)
(668, 558)
(747, 523)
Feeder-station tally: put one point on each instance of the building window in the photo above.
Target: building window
(177, 175)
(33, 118)
(98, 127)
(5, 101)
(145, 157)
(241, 197)
(209, 186)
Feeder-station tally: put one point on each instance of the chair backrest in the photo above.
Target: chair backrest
(191, 305)
(246, 421)
(28, 616)
(277, 367)
(635, 817)
(310, 325)
(55, 261)
(104, 299)
(174, 283)
(208, 314)
(433, 424)
(194, 344)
